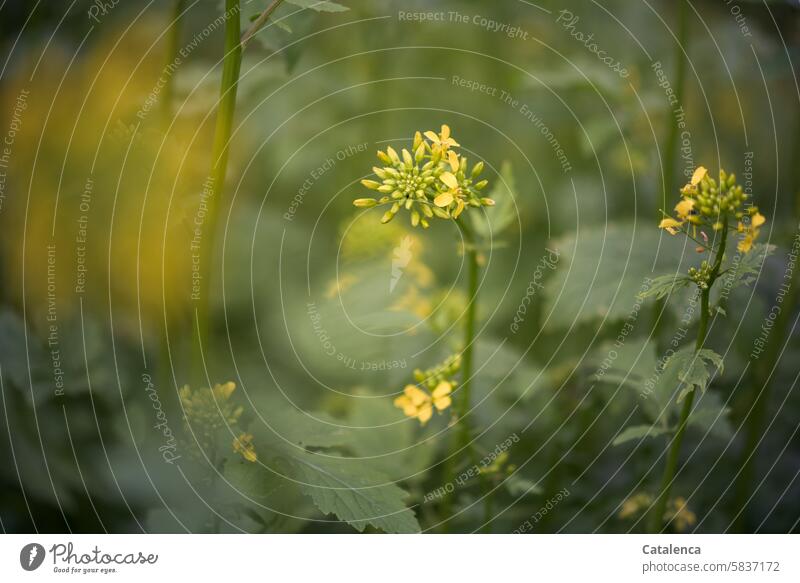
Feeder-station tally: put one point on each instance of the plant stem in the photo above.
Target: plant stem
(232, 62)
(467, 365)
(173, 39)
(656, 519)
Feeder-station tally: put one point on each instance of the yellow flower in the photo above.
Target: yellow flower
(684, 208)
(671, 225)
(635, 504)
(441, 396)
(698, 175)
(443, 141)
(418, 404)
(750, 232)
(447, 198)
(680, 515)
(415, 403)
(746, 243)
(244, 445)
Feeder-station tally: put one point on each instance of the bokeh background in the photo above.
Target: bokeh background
(106, 154)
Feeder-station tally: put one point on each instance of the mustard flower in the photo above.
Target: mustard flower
(712, 204)
(429, 180)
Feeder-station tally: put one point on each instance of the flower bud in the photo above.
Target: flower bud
(365, 202)
(371, 184)
(477, 169)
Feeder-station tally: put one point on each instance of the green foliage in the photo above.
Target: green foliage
(693, 369)
(664, 285)
(319, 5)
(349, 488)
(603, 270)
(638, 432)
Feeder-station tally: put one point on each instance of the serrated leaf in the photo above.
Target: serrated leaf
(743, 268)
(693, 369)
(319, 5)
(602, 271)
(665, 285)
(350, 488)
(353, 493)
(639, 432)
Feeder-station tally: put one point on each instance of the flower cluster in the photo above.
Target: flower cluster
(430, 180)
(432, 390)
(714, 204)
(702, 276)
(677, 512)
(206, 411)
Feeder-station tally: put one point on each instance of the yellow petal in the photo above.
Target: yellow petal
(745, 244)
(442, 389)
(425, 413)
(758, 220)
(445, 132)
(432, 136)
(442, 403)
(416, 395)
(684, 207)
(443, 199)
(670, 225)
(451, 142)
(698, 175)
(453, 159)
(450, 180)
(459, 208)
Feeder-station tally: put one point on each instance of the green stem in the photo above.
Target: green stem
(231, 65)
(465, 440)
(656, 519)
(173, 39)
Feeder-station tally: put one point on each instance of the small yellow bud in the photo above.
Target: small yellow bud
(371, 184)
(365, 202)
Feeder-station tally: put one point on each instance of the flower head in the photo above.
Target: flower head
(442, 141)
(432, 391)
(716, 205)
(429, 180)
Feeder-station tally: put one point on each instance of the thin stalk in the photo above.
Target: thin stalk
(467, 365)
(656, 519)
(231, 65)
(173, 40)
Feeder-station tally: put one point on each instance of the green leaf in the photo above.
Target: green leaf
(350, 488)
(665, 285)
(354, 493)
(602, 270)
(319, 5)
(639, 432)
(498, 218)
(693, 369)
(710, 416)
(743, 269)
